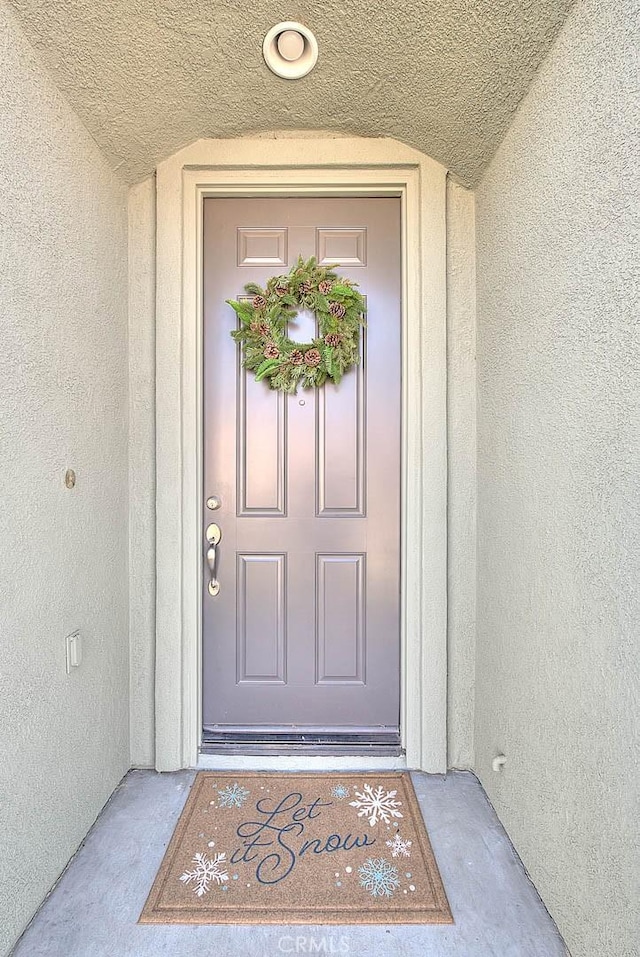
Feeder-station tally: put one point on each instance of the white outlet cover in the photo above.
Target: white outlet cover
(74, 651)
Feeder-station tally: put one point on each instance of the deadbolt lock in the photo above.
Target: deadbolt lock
(214, 502)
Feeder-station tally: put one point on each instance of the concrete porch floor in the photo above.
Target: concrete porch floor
(92, 911)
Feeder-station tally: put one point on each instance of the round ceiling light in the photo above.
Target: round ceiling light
(290, 50)
(290, 45)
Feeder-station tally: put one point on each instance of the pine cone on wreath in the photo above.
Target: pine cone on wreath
(333, 339)
(312, 357)
(305, 287)
(325, 287)
(259, 302)
(281, 289)
(296, 357)
(271, 351)
(337, 310)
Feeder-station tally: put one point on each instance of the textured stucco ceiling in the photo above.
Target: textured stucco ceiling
(149, 76)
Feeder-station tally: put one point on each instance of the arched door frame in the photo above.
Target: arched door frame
(288, 167)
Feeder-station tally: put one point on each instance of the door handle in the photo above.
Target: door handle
(213, 536)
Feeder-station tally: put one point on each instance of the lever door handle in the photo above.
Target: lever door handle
(213, 536)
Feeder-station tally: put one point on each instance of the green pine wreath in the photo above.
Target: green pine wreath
(283, 363)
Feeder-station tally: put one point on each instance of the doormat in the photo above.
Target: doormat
(269, 848)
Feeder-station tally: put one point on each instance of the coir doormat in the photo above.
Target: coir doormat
(311, 848)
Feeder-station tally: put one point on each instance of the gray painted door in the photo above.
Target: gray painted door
(305, 631)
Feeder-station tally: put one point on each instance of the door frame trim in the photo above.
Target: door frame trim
(297, 167)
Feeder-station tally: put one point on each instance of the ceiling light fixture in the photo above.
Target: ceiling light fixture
(290, 50)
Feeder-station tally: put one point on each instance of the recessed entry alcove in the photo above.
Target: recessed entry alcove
(424, 563)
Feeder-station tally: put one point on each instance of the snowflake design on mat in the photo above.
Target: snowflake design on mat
(379, 877)
(399, 848)
(206, 871)
(234, 795)
(340, 791)
(376, 804)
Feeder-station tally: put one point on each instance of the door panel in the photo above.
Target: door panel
(341, 617)
(305, 632)
(261, 447)
(262, 616)
(342, 472)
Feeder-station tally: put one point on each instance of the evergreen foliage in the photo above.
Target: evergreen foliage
(262, 327)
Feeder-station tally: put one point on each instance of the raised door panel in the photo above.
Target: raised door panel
(262, 247)
(341, 247)
(261, 636)
(340, 619)
(261, 449)
(341, 441)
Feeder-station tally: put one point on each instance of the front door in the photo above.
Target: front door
(302, 640)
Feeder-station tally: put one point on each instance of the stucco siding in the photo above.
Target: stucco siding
(142, 484)
(63, 553)
(461, 469)
(149, 78)
(557, 684)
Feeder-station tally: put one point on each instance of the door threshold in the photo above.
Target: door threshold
(300, 762)
(304, 741)
(309, 749)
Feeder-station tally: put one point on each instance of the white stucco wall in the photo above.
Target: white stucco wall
(558, 464)
(461, 466)
(149, 78)
(63, 554)
(142, 438)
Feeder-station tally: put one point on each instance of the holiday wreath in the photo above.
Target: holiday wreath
(269, 352)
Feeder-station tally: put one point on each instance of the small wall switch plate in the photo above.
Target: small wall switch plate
(74, 650)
